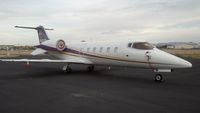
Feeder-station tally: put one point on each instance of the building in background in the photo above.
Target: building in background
(6, 47)
(12, 47)
(179, 45)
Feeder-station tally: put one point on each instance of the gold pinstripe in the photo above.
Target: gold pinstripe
(106, 57)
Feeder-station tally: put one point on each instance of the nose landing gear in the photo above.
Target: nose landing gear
(158, 78)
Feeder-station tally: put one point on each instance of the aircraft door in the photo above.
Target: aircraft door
(148, 56)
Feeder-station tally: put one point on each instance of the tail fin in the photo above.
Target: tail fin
(41, 32)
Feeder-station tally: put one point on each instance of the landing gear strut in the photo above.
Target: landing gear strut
(158, 78)
(90, 68)
(67, 69)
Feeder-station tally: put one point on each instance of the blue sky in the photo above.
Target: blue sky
(151, 20)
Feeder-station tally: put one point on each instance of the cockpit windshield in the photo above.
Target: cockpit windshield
(142, 45)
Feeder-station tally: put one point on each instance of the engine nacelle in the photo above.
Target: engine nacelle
(60, 45)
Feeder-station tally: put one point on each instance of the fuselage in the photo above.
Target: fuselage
(117, 53)
(139, 54)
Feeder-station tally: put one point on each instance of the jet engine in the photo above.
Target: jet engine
(60, 45)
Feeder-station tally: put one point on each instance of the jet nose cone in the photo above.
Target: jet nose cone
(183, 63)
(172, 60)
(188, 64)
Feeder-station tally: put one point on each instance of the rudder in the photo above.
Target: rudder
(42, 34)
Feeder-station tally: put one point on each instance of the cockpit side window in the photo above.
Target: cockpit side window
(142, 45)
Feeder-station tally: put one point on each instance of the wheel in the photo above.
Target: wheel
(67, 69)
(158, 78)
(90, 68)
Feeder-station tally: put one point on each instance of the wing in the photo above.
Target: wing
(72, 61)
(38, 51)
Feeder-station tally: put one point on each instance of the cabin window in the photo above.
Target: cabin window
(88, 49)
(101, 50)
(115, 49)
(142, 45)
(94, 49)
(108, 49)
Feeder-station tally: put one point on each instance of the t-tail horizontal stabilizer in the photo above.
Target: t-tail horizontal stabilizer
(33, 27)
(41, 32)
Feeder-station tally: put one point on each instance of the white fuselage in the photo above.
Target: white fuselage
(139, 54)
(116, 53)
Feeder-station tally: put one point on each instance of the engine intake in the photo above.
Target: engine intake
(60, 45)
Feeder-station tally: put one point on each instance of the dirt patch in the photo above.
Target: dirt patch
(192, 53)
(4, 53)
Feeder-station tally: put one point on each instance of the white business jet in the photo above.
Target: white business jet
(132, 54)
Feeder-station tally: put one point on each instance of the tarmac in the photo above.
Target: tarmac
(45, 88)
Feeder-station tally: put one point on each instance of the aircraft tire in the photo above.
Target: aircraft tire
(158, 78)
(68, 70)
(90, 68)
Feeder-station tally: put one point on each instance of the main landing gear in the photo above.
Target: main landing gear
(90, 68)
(67, 69)
(158, 78)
